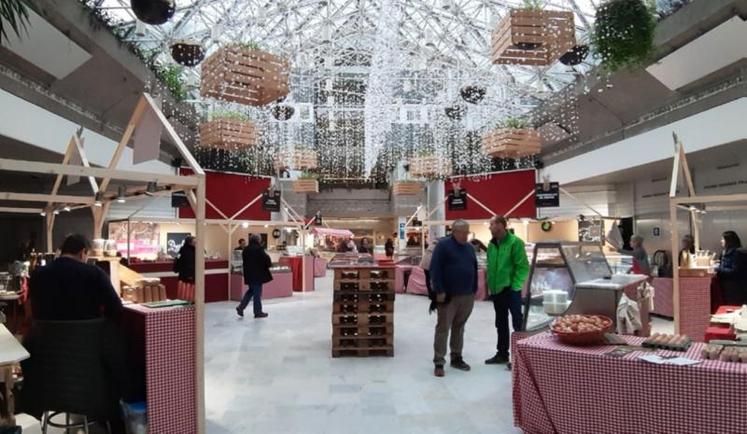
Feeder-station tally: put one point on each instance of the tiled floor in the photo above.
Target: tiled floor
(276, 375)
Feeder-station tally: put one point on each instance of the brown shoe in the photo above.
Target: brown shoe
(261, 315)
(439, 371)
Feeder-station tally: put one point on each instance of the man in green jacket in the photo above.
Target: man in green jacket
(508, 268)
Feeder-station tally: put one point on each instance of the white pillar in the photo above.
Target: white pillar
(436, 193)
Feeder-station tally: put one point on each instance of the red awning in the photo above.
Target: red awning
(344, 233)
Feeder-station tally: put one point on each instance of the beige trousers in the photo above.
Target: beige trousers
(452, 317)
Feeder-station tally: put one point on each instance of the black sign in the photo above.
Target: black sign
(547, 198)
(457, 201)
(271, 201)
(318, 219)
(179, 199)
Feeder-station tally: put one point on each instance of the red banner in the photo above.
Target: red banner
(231, 192)
(500, 192)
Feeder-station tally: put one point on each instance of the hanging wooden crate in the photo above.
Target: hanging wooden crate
(532, 37)
(228, 134)
(299, 159)
(429, 167)
(306, 186)
(406, 188)
(512, 143)
(244, 75)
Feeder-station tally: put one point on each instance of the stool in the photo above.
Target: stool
(47, 422)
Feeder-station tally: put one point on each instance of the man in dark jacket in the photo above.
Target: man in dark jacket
(453, 271)
(257, 265)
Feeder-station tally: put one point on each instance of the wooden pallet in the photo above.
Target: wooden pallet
(362, 319)
(551, 32)
(511, 143)
(407, 188)
(355, 297)
(364, 273)
(364, 285)
(377, 329)
(429, 166)
(362, 341)
(245, 76)
(298, 159)
(363, 352)
(363, 306)
(306, 186)
(228, 134)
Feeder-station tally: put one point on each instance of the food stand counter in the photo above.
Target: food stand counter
(280, 286)
(216, 277)
(564, 389)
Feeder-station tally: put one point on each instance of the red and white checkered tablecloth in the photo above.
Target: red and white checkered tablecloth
(563, 389)
(663, 296)
(171, 391)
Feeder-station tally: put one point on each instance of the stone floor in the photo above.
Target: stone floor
(276, 375)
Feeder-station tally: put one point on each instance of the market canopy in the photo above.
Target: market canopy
(343, 233)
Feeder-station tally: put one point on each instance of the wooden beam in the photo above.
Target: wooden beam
(220, 213)
(137, 114)
(742, 197)
(65, 160)
(675, 169)
(686, 171)
(200, 304)
(238, 213)
(50, 231)
(85, 163)
(180, 146)
(35, 197)
(125, 175)
(7, 209)
(676, 271)
(519, 203)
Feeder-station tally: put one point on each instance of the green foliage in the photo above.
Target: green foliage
(624, 33)
(231, 115)
(249, 44)
(308, 175)
(171, 77)
(534, 5)
(14, 14)
(512, 124)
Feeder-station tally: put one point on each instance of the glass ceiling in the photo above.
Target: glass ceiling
(391, 54)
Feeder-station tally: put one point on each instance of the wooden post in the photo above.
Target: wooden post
(50, 230)
(200, 304)
(676, 270)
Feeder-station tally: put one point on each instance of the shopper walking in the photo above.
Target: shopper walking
(453, 271)
(507, 271)
(257, 265)
(184, 266)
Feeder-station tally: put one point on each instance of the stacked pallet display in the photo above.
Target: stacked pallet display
(532, 37)
(363, 312)
(512, 143)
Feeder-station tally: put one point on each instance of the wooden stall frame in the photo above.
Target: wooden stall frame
(680, 165)
(194, 184)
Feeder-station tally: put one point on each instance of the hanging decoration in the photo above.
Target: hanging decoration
(283, 112)
(430, 166)
(154, 12)
(298, 158)
(512, 140)
(406, 188)
(575, 55)
(187, 53)
(244, 74)
(532, 36)
(473, 94)
(306, 183)
(228, 133)
(455, 112)
(624, 33)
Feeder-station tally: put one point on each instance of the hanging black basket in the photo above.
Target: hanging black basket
(473, 94)
(187, 54)
(283, 112)
(575, 55)
(153, 11)
(455, 112)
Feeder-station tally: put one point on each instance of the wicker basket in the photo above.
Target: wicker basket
(584, 338)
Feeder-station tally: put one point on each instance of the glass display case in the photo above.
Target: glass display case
(556, 269)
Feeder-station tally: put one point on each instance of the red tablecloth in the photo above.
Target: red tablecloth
(721, 331)
(695, 306)
(416, 283)
(663, 297)
(399, 277)
(294, 262)
(320, 267)
(163, 342)
(563, 389)
(280, 286)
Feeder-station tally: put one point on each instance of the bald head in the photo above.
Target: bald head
(460, 231)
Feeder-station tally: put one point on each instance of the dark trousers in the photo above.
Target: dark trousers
(254, 291)
(507, 301)
(428, 281)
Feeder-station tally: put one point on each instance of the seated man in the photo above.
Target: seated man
(69, 289)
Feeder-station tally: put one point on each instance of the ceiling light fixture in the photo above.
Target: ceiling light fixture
(98, 199)
(67, 208)
(121, 194)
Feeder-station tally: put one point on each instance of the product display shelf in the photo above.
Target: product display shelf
(363, 311)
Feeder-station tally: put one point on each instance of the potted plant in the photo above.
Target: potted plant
(245, 74)
(228, 130)
(426, 164)
(532, 35)
(153, 12)
(472, 94)
(511, 138)
(171, 78)
(187, 53)
(624, 33)
(14, 14)
(307, 182)
(300, 158)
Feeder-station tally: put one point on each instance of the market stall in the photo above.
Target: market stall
(565, 389)
(185, 324)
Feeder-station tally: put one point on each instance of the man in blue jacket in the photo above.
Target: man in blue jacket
(453, 271)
